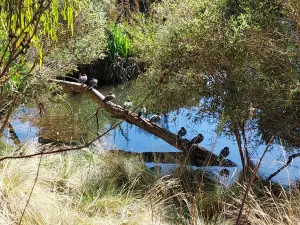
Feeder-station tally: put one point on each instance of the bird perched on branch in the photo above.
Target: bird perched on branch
(127, 104)
(198, 139)
(82, 78)
(155, 118)
(224, 153)
(93, 83)
(142, 111)
(109, 97)
(182, 132)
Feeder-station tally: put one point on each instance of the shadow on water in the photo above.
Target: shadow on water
(76, 121)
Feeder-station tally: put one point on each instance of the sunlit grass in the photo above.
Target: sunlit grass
(89, 187)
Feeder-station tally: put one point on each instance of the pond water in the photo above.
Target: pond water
(73, 121)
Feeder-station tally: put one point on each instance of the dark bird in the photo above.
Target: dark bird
(109, 97)
(224, 153)
(182, 132)
(224, 172)
(155, 118)
(93, 83)
(82, 78)
(142, 111)
(198, 139)
(127, 104)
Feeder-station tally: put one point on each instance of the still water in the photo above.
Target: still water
(74, 121)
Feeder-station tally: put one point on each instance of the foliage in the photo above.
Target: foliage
(235, 57)
(86, 45)
(119, 43)
(25, 26)
(46, 39)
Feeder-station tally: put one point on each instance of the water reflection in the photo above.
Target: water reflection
(77, 122)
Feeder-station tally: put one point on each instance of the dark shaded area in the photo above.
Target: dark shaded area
(282, 121)
(107, 71)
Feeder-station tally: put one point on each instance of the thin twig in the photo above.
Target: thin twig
(31, 191)
(96, 113)
(252, 176)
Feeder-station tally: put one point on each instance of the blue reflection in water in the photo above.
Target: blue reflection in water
(131, 138)
(137, 140)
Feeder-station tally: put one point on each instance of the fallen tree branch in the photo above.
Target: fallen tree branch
(290, 159)
(196, 154)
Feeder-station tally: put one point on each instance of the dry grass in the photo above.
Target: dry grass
(110, 188)
(77, 188)
(267, 206)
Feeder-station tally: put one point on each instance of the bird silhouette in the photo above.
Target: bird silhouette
(82, 78)
(93, 83)
(155, 118)
(224, 153)
(109, 97)
(156, 169)
(127, 104)
(198, 139)
(142, 111)
(182, 132)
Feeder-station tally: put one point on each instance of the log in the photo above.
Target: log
(196, 155)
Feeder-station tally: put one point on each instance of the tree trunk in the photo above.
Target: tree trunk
(195, 154)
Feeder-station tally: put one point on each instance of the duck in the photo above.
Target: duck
(155, 118)
(127, 104)
(109, 97)
(198, 139)
(93, 83)
(182, 132)
(142, 111)
(224, 153)
(82, 78)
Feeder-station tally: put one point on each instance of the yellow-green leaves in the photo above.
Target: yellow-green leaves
(70, 19)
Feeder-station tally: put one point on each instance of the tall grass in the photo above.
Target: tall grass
(119, 43)
(75, 188)
(89, 187)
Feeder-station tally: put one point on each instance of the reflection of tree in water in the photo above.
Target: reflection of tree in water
(71, 120)
(124, 133)
(283, 121)
(61, 128)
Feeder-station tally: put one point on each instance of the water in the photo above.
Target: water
(63, 124)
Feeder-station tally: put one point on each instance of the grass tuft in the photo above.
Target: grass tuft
(89, 187)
